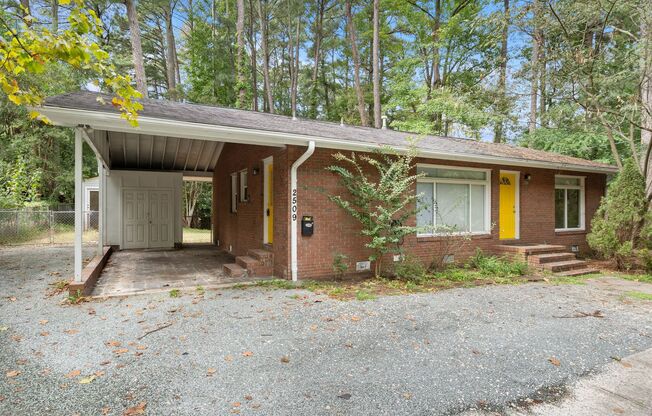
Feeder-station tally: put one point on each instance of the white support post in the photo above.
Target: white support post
(100, 207)
(79, 192)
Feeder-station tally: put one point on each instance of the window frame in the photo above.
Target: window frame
(487, 197)
(234, 192)
(244, 185)
(582, 188)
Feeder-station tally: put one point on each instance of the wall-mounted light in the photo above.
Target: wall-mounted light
(527, 178)
(254, 171)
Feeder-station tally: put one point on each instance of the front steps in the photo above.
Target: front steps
(256, 263)
(554, 258)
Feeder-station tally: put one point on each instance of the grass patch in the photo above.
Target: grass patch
(275, 284)
(200, 290)
(572, 280)
(175, 293)
(639, 295)
(364, 295)
(644, 278)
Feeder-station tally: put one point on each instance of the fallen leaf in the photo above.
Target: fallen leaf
(105, 362)
(17, 338)
(355, 318)
(12, 298)
(248, 397)
(106, 410)
(237, 404)
(313, 327)
(3, 328)
(73, 374)
(71, 331)
(121, 351)
(210, 372)
(228, 358)
(45, 334)
(43, 321)
(141, 347)
(345, 396)
(247, 354)
(21, 361)
(554, 361)
(12, 373)
(99, 373)
(285, 359)
(113, 343)
(139, 409)
(407, 396)
(87, 380)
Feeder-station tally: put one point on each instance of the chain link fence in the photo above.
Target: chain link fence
(27, 227)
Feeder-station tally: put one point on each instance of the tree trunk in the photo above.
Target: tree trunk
(316, 57)
(267, 88)
(25, 9)
(170, 59)
(136, 47)
(502, 78)
(254, 62)
(356, 65)
(542, 81)
(436, 72)
(376, 65)
(240, 64)
(534, 70)
(55, 16)
(294, 67)
(646, 97)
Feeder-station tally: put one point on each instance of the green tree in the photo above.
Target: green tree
(380, 196)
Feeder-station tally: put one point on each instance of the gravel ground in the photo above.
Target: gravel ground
(271, 352)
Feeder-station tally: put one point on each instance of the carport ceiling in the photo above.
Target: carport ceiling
(142, 151)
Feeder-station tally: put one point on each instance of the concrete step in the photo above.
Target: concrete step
(530, 249)
(577, 272)
(246, 262)
(254, 267)
(264, 256)
(560, 266)
(234, 270)
(540, 259)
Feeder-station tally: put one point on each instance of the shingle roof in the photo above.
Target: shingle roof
(220, 116)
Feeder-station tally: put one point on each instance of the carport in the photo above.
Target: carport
(140, 178)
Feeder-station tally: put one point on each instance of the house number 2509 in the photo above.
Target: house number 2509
(294, 204)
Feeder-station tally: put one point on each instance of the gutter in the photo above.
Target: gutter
(70, 117)
(294, 199)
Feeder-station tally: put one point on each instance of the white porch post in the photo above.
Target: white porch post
(100, 206)
(79, 192)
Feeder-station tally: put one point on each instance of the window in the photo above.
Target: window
(569, 203)
(234, 192)
(452, 199)
(244, 195)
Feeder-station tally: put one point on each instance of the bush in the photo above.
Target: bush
(621, 228)
(410, 269)
(496, 266)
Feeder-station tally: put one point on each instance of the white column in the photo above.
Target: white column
(100, 206)
(79, 192)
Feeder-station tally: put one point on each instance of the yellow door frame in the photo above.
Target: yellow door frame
(268, 200)
(509, 214)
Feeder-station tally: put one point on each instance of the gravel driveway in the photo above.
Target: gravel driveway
(258, 351)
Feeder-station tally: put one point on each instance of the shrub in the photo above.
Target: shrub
(621, 228)
(496, 266)
(410, 269)
(340, 266)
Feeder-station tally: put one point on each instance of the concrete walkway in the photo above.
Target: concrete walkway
(623, 388)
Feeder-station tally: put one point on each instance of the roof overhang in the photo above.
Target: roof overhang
(111, 121)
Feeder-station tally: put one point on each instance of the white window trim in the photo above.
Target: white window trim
(234, 192)
(487, 203)
(581, 188)
(244, 184)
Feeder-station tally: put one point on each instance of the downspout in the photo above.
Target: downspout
(294, 209)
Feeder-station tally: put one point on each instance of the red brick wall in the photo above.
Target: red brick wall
(243, 230)
(336, 232)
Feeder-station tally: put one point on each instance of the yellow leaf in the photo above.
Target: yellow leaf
(87, 380)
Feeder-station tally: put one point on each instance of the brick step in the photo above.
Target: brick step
(577, 272)
(540, 259)
(561, 266)
(254, 267)
(264, 256)
(234, 270)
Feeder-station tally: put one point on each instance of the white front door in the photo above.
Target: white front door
(147, 219)
(134, 218)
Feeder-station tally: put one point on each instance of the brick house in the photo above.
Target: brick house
(268, 173)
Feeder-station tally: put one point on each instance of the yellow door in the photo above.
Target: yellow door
(270, 203)
(508, 205)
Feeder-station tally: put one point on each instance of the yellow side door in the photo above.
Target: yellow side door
(270, 203)
(507, 208)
